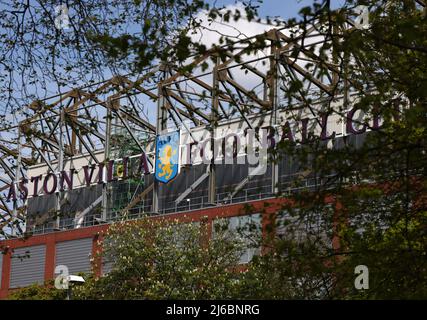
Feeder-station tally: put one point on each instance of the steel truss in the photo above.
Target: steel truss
(223, 84)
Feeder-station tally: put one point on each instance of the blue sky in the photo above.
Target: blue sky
(274, 8)
(284, 8)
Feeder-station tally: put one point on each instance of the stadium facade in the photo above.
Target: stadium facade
(91, 156)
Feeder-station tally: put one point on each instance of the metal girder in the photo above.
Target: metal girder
(233, 57)
(236, 104)
(241, 184)
(84, 129)
(48, 107)
(196, 121)
(303, 98)
(88, 148)
(14, 153)
(5, 208)
(193, 186)
(87, 129)
(307, 75)
(237, 86)
(139, 121)
(135, 85)
(189, 106)
(41, 153)
(202, 84)
(81, 215)
(193, 64)
(6, 168)
(170, 106)
(43, 137)
(131, 133)
(137, 199)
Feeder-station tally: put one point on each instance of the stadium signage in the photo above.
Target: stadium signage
(170, 149)
(53, 182)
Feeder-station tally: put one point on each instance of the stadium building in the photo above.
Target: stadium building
(168, 142)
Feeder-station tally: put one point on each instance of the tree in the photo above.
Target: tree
(53, 46)
(159, 259)
(49, 48)
(377, 188)
(47, 291)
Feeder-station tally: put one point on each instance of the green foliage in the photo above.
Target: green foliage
(125, 36)
(155, 259)
(377, 189)
(38, 292)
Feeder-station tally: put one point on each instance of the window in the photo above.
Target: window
(247, 229)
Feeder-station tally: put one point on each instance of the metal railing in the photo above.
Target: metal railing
(143, 209)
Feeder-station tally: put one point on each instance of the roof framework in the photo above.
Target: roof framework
(222, 85)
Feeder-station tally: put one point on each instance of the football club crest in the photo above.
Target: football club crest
(167, 156)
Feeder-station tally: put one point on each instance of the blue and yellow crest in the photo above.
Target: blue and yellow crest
(167, 156)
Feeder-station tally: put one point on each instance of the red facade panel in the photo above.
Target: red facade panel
(267, 208)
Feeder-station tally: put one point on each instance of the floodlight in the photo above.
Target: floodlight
(75, 279)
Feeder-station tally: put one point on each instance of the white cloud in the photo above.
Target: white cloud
(212, 31)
